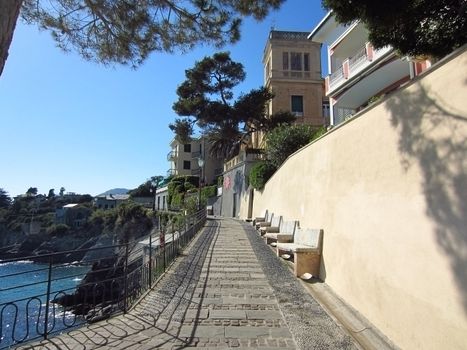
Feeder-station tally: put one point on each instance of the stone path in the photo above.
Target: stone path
(229, 290)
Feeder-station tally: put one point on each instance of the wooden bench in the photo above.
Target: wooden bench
(285, 234)
(306, 248)
(273, 226)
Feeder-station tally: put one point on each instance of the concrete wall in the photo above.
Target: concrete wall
(235, 199)
(389, 188)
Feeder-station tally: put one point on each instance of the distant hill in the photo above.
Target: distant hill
(115, 191)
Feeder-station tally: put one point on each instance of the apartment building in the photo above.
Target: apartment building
(193, 158)
(359, 73)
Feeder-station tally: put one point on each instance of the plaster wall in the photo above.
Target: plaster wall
(312, 100)
(389, 189)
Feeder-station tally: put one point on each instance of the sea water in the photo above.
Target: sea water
(23, 296)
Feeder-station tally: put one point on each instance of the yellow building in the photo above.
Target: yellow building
(292, 71)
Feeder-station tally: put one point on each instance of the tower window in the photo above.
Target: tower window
(295, 61)
(297, 105)
(187, 147)
(186, 165)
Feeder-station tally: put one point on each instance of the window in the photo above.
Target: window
(285, 61)
(187, 148)
(297, 106)
(186, 165)
(306, 62)
(295, 61)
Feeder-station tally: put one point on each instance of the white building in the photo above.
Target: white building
(359, 73)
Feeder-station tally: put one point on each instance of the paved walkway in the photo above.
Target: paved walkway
(228, 290)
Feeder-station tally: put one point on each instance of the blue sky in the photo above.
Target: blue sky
(72, 123)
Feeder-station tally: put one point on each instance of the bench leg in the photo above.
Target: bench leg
(269, 240)
(307, 262)
(279, 252)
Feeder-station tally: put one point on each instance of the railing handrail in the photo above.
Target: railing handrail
(360, 55)
(113, 292)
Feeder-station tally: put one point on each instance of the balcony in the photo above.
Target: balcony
(171, 172)
(195, 154)
(172, 155)
(250, 155)
(289, 75)
(353, 65)
(196, 171)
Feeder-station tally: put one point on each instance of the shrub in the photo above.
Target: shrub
(179, 186)
(104, 217)
(318, 133)
(284, 140)
(260, 173)
(209, 191)
(129, 211)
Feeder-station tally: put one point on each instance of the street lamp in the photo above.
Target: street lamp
(200, 164)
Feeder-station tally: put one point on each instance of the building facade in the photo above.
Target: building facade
(292, 71)
(184, 160)
(359, 74)
(110, 201)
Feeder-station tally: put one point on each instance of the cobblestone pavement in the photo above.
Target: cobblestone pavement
(227, 291)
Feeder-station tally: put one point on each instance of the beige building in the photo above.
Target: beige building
(292, 71)
(184, 160)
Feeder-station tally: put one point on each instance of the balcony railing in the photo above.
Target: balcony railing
(171, 172)
(172, 155)
(355, 64)
(195, 154)
(336, 76)
(247, 156)
(289, 74)
(196, 171)
(358, 59)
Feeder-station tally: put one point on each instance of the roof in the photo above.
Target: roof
(71, 205)
(328, 30)
(287, 35)
(113, 197)
(320, 26)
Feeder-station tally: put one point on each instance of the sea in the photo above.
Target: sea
(23, 296)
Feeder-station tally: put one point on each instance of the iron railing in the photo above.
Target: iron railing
(42, 298)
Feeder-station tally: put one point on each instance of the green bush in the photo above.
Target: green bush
(209, 191)
(104, 217)
(128, 211)
(284, 140)
(317, 133)
(260, 173)
(178, 187)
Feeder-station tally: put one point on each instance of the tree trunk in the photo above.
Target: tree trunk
(9, 12)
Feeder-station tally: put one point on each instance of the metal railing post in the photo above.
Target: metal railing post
(125, 282)
(150, 261)
(47, 299)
